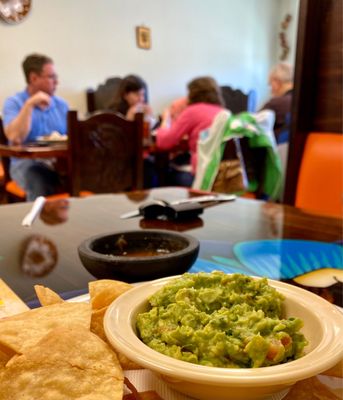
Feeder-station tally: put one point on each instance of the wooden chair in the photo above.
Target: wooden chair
(11, 191)
(237, 101)
(102, 97)
(105, 153)
(320, 181)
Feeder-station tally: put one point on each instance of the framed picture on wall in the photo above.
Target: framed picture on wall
(143, 37)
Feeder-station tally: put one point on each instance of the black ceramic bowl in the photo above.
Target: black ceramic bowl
(134, 256)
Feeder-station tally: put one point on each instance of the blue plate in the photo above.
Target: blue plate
(275, 259)
(286, 259)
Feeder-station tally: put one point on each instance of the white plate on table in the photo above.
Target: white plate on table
(53, 138)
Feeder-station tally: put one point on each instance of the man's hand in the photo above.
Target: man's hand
(39, 99)
(19, 127)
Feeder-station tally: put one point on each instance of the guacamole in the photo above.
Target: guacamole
(220, 320)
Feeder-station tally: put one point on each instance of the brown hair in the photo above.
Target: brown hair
(34, 63)
(204, 90)
(131, 83)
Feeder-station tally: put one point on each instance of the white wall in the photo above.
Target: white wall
(91, 40)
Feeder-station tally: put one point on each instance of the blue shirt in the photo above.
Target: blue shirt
(53, 118)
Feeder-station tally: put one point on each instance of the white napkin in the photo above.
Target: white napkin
(144, 380)
(34, 212)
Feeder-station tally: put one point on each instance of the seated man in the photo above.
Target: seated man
(34, 112)
(281, 83)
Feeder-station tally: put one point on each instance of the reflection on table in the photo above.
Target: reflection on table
(221, 228)
(231, 234)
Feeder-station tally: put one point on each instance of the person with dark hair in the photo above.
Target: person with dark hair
(131, 97)
(281, 84)
(32, 113)
(205, 101)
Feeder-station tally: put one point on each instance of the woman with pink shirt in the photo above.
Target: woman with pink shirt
(204, 103)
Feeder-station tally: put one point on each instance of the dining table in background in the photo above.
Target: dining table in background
(33, 150)
(57, 151)
(226, 231)
(60, 152)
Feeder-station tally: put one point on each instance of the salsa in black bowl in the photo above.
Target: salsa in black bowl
(139, 255)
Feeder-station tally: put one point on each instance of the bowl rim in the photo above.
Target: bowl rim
(120, 333)
(84, 246)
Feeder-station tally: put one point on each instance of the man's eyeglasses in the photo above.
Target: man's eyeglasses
(50, 76)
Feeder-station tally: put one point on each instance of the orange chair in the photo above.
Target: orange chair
(11, 190)
(2, 173)
(320, 181)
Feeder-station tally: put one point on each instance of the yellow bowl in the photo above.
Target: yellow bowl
(323, 327)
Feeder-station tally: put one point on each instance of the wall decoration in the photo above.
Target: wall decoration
(143, 37)
(283, 38)
(14, 11)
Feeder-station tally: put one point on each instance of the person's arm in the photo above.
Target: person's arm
(131, 112)
(269, 105)
(166, 119)
(19, 127)
(140, 107)
(146, 110)
(167, 138)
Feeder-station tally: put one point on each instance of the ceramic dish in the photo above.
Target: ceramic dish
(323, 327)
(138, 255)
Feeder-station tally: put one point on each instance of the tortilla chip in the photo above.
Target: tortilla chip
(97, 323)
(4, 358)
(104, 291)
(97, 327)
(67, 363)
(336, 370)
(301, 390)
(24, 330)
(47, 296)
(126, 363)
